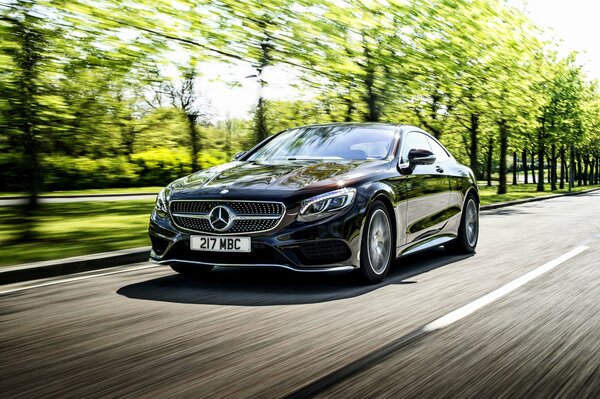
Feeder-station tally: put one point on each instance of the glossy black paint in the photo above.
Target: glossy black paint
(426, 200)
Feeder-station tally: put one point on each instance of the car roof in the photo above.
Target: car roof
(398, 126)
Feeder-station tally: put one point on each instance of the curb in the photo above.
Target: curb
(60, 267)
(77, 264)
(533, 199)
(24, 197)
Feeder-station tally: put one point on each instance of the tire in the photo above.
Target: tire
(192, 270)
(468, 231)
(377, 245)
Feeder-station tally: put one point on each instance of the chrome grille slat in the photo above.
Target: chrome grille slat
(252, 216)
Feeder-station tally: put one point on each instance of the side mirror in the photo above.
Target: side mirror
(239, 155)
(421, 157)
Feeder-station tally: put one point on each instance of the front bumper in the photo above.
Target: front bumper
(329, 245)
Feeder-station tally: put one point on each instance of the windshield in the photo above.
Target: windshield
(328, 142)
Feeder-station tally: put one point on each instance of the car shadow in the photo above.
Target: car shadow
(268, 287)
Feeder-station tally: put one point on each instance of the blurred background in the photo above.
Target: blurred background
(104, 97)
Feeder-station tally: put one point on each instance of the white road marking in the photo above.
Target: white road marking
(470, 308)
(54, 280)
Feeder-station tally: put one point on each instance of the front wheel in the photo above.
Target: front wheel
(468, 231)
(377, 245)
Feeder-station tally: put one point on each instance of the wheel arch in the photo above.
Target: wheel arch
(475, 193)
(384, 197)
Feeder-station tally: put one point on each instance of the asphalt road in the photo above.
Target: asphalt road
(519, 318)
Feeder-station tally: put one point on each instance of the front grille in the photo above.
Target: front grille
(241, 207)
(323, 252)
(263, 216)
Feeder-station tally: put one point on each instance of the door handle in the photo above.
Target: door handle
(439, 169)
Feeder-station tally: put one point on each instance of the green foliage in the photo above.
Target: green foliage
(164, 127)
(67, 173)
(85, 85)
(160, 166)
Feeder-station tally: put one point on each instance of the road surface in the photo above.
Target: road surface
(519, 318)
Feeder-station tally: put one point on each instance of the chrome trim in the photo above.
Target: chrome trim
(256, 217)
(191, 215)
(339, 268)
(233, 217)
(205, 216)
(434, 242)
(225, 200)
(219, 217)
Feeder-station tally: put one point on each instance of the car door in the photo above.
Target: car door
(428, 192)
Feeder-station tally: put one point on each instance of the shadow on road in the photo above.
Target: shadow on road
(268, 287)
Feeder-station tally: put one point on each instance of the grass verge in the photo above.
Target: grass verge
(76, 228)
(489, 195)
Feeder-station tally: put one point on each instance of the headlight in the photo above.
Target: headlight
(326, 205)
(161, 204)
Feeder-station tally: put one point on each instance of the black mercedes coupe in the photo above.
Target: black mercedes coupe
(320, 198)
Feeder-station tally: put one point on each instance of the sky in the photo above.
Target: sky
(573, 23)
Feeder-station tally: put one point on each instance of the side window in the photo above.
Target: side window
(440, 152)
(414, 140)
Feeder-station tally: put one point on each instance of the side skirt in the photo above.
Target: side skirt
(427, 244)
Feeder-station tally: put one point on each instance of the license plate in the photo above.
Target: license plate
(220, 244)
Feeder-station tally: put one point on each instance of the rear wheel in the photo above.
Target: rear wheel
(192, 270)
(377, 245)
(468, 231)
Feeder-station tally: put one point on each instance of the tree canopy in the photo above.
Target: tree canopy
(91, 80)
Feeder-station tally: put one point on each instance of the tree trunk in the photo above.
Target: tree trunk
(579, 170)
(591, 175)
(562, 168)
(524, 162)
(229, 133)
(553, 167)
(571, 167)
(473, 160)
(503, 150)
(349, 109)
(540, 183)
(586, 165)
(260, 122)
(28, 55)
(490, 154)
(515, 176)
(195, 142)
(533, 167)
(371, 98)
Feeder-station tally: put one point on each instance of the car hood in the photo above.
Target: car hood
(262, 177)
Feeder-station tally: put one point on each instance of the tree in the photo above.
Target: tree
(185, 97)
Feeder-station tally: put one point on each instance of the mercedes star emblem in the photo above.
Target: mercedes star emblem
(221, 217)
